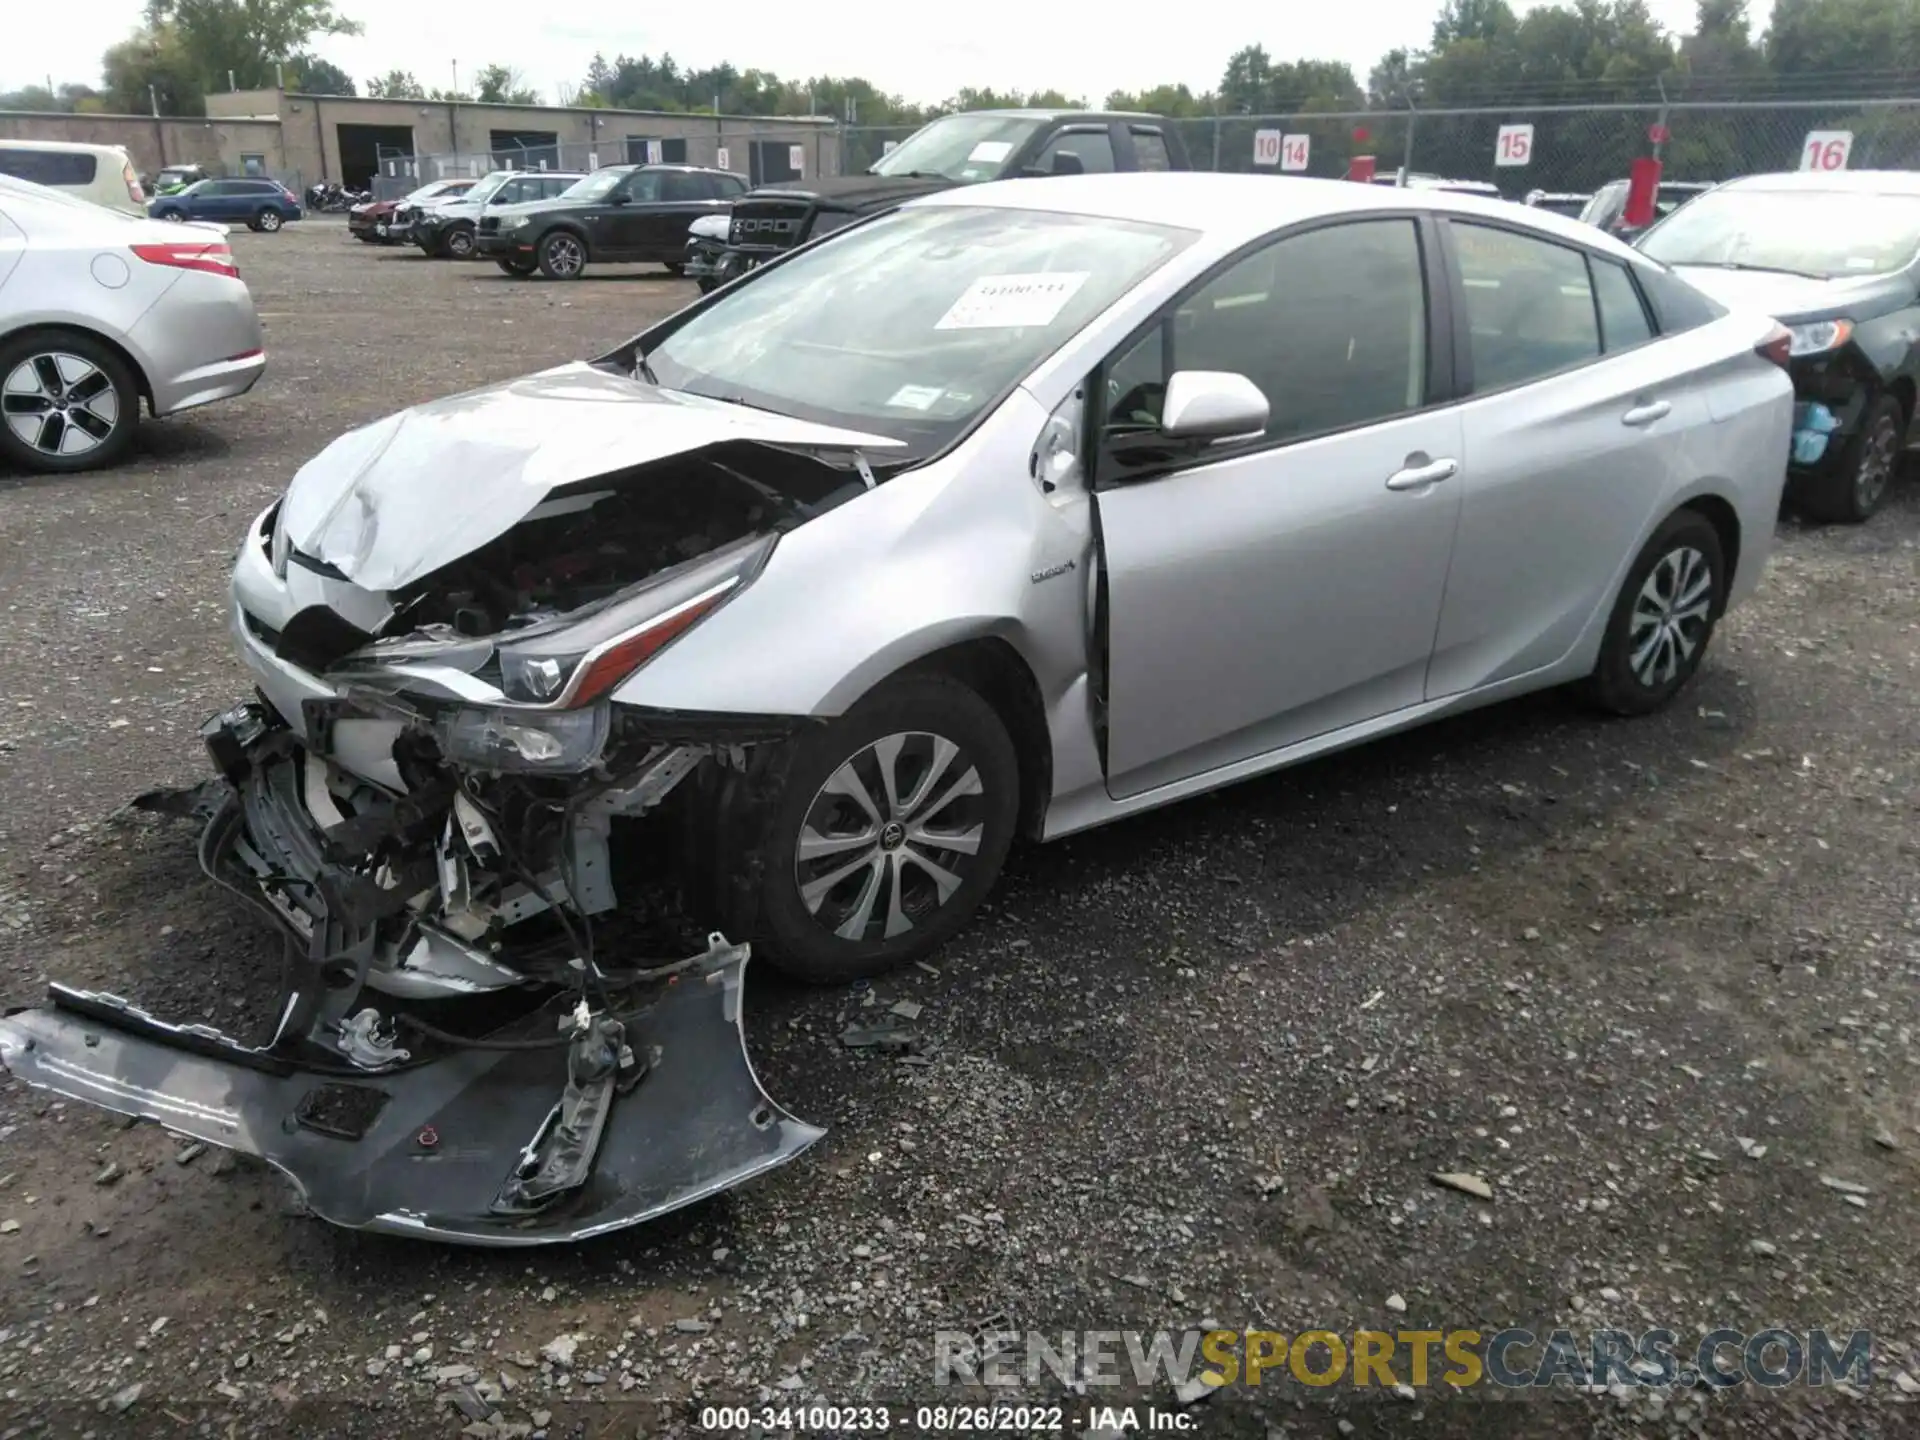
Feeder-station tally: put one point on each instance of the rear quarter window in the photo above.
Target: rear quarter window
(1676, 305)
(50, 167)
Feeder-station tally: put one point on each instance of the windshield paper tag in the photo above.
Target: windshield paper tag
(995, 302)
(989, 152)
(915, 397)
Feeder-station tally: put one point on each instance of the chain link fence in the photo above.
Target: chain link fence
(765, 154)
(1556, 148)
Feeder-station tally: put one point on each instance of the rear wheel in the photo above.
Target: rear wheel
(562, 255)
(675, 267)
(888, 829)
(459, 242)
(175, 216)
(1856, 485)
(1663, 618)
(67, 402)
(268, 220)
(519, 268)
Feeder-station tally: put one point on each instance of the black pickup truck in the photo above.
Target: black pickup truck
(962, 149)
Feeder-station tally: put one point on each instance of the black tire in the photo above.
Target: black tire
(675, 268)
(175, 217)
(707, 284)
(34, 350)
(268, 220)
(923, 708)
(563, 255)
(1662, 575)
(519, 269)
(1859, 481)
(457, 243)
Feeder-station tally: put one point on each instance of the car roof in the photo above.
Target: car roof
(1231, 210)
(1065, 113)
(1859, 182)
(675, 166)
(68, 146)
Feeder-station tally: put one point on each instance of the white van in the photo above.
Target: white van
(103, 174)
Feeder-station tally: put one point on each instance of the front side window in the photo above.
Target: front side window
(645, 186)
(1530, 308)
(597, 186)
(1331, 325)
(1823, 234)
(680, 186)
(959, 147)
(1077, 152)
(1150, 149)
(910, 326)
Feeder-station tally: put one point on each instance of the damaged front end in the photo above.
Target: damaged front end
(434, 799)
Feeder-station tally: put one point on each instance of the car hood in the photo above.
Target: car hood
(851, 192)
(398, 499)
(1796, 297)
(710, 227)
(375, 208)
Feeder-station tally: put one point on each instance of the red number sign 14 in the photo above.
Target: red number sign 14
(1294, 150)
(1826, 150)
(1514, 145)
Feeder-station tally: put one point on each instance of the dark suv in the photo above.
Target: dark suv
(259, 204)
(962, 149)
(622, 213)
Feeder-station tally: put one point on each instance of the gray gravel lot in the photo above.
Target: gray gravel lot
(1652, 980)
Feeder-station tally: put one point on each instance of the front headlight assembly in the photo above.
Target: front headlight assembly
(523, 741)
(513, 222)
(1816, 337)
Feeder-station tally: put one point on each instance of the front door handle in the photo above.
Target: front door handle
(1418, 477)
(1647, 412)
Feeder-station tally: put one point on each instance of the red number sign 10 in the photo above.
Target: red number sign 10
(1826, 150)
(1266, 147)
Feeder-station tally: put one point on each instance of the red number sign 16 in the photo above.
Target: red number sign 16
(1826, 150)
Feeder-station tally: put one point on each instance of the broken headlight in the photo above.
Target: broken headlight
(551, 741)
(574, 660)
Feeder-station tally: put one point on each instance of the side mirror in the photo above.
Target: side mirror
(1211, 405)
(620, 197)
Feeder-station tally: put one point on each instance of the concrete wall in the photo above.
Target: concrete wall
(216, 143)
(300, 138)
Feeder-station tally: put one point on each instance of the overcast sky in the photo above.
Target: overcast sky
(922, 54)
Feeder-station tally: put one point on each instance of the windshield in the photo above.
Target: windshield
(438, 189)
(596, 186)
(1822, 233)
(912, 325)
(484, 188)
(959, 147)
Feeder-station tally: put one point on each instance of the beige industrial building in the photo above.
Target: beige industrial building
(308, 138)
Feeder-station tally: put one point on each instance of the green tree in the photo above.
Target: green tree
(149, 66)
(242, 40)
(396, 85)
(311, 75)
(502, 85)
(32, 97)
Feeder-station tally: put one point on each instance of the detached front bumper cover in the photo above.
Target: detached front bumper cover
(542, 1102)
(495, 1147)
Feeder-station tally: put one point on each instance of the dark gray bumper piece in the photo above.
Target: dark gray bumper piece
(425, 1150)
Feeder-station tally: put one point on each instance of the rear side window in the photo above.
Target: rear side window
(1623, 319)
(1150, 149)
(680, 185)
(50, 167)
(1530, 309)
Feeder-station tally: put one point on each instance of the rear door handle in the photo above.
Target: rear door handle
(1647, 413)
(1418, 477)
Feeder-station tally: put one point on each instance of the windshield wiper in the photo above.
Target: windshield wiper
(1764, 269)
(643, 369)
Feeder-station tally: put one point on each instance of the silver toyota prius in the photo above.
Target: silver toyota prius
(1009, 512)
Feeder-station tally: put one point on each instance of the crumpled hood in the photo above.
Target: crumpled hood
(852, 192)
(1794, 297)
(397, 499)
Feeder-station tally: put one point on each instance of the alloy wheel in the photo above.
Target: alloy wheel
(269, 220)
(1670, 616)
(60, 404)
(1877, 459)
(890, 837)
(460, 244)
(564, 256)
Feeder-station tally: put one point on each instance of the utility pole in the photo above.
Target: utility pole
(153, 95)
(231, 87)
(456, 77)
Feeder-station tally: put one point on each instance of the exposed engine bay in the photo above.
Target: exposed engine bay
(476, 1042)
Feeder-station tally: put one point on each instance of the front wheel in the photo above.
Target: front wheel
(675, 268)
(67, 402)
(175, 217)
(562, 256)
(1663, 618)
(707, 284)
(888, 829)
(459, 243)
(517, 268)
(267, 220)
(1856, 485)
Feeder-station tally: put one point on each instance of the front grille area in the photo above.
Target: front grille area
(779, 223)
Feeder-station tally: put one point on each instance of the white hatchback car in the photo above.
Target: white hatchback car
(99, 311)
(103, 174)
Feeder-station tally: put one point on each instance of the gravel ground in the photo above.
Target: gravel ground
(1650, 980)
